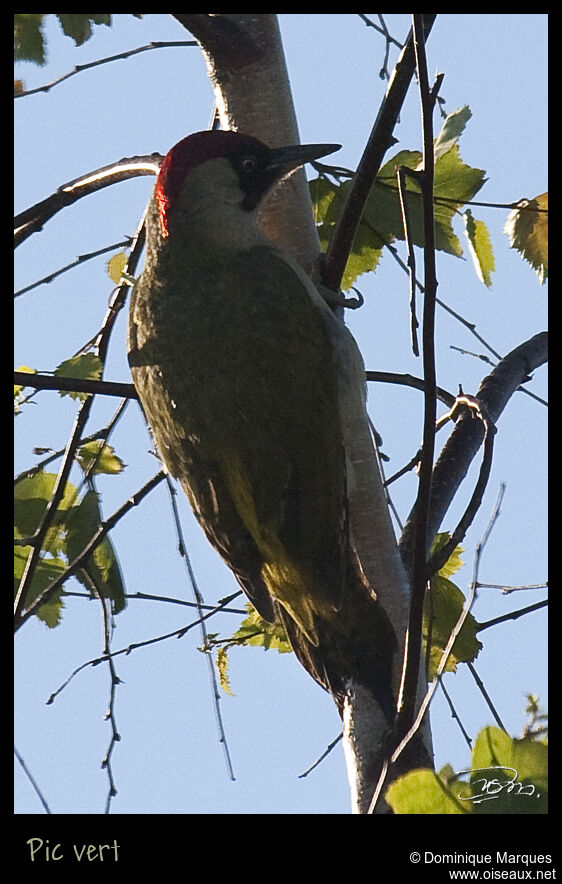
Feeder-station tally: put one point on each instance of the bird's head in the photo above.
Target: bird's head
(237, 169)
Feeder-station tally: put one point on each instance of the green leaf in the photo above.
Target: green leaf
(256, 631)
(222, 667)
(115, 266)
(452, 129)
(409, 158)
(252, 631)
(527, 229)
(454, 563)
(455, 183)
(31, 496)
(383, 213)
(87, 366)
(367, 248)
(323, 193)
(422, 792)
(29, 43)
(480, 248)
(102, 566)
(48, 569)
(73, 527)
(506, 776)
(498, 761)
(363, 257)
(455, 180)
(442, 610)
(79, 26)
(102, 456)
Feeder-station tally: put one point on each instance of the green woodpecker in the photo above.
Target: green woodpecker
(232, 355)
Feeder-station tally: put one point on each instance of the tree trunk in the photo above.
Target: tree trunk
(246, 64)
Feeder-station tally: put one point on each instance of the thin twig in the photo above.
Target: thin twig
(409, 380)
(471, 326)
(92, 64)
(204, 635)
(104, 433)
(32, 780)
(114, 681)
(377, 442)
(324, 755)
(176, 633)
(422, 504)
(81, 259)
(401, 174)
(508, 589)
(162, 598)
(454, 713)
(488, 361)
(512, 615)
(486, 696)
(121, 293)
(150, 597)
(381, 29)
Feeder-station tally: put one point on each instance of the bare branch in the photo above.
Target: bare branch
(31, 220)
(440, 558)
(446, 653)
(409, 380)
(380, 140)
(74, 385)
(458, 452)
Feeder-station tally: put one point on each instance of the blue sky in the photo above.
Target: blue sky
(169, 759)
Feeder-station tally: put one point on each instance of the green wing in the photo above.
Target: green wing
(239, 385)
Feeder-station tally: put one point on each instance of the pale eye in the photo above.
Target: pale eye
(248, 164)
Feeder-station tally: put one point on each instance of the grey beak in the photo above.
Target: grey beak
(297, 155)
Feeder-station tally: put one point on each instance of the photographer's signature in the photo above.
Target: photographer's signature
(487, 788)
